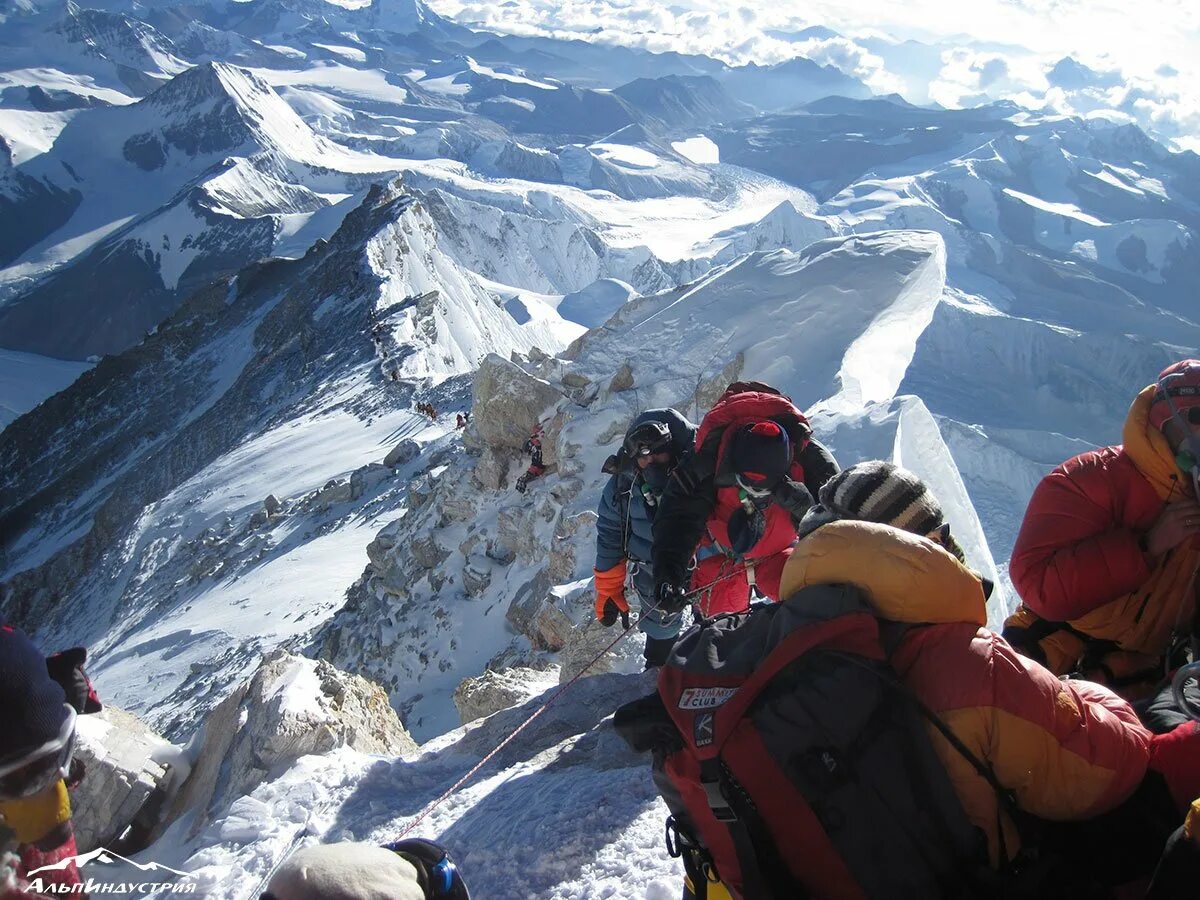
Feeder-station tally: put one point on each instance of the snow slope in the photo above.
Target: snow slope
(26, 380)
(590, 821)
(187, 593)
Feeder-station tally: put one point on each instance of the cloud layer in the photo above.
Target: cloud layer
(1078, 57)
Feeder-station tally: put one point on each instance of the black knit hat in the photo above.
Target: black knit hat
(878, 491)
(32, 704)
(760, 453)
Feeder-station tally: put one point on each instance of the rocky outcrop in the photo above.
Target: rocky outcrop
(623, 380)
(131, 774)
(492, 691)
(535, 614)
(508, 403)
(491, 469)
(565, 544)
(404, 452)
(586, 642)
(291, 707)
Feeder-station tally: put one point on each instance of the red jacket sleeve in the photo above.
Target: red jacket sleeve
(1073, 554)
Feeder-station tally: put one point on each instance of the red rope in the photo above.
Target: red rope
(537, 712)
(541, 709)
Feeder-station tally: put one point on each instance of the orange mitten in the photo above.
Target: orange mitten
(610, 594)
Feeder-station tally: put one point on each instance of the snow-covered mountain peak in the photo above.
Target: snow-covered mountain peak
(400, 16)
(120, 39)
(219, 92)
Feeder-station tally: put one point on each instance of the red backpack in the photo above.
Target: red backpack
(795, 764)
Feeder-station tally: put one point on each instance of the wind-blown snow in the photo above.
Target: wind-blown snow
(624, 155)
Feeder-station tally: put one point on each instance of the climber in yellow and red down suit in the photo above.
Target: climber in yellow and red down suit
(1107, 555)
(39, 700)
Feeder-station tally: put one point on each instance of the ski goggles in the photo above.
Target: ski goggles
(1170, 388)
(33, 772)
(647, 439)
(756, 491)
(445, 882)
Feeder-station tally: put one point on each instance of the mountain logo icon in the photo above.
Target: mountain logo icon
(107, 857)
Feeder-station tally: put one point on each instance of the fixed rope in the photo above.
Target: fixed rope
(504, 743)
(449, 792)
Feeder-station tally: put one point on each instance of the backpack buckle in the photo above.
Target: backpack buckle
(717, 803)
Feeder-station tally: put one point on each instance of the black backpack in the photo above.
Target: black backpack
(795, 764)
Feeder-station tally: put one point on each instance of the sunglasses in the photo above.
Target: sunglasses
(647, 439)
(36, 770)
(1169, 388)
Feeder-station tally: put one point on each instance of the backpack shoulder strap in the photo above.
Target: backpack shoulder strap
(1006, 799)
(732, 807)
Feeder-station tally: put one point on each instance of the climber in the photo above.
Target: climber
(413, 869)
(533, 446)
(40, 698)
(653, 445)
(460, 421)
(733, 504)
(1014, 784)
(1107, 556)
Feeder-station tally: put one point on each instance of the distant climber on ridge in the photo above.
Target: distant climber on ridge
(653, 445)
(1107, 557)
(533, 446)
(734, 502)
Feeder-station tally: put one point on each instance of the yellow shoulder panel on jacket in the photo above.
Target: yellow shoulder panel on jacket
(906, 577)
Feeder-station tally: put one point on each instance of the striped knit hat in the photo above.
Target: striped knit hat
(878, 491)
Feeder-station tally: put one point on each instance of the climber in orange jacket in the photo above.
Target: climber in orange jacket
(1066, 750)
(1107, 555)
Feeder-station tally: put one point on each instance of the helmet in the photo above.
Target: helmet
(1177, 395)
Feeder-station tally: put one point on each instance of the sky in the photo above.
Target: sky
(1140, 61)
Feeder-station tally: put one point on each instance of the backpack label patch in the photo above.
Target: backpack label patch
(705, 698)
(703, 730)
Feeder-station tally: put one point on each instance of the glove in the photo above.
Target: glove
(610, 595)
(522, 482)
(670, 597)
(794, 497)
(66, 667)
(608, 614)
